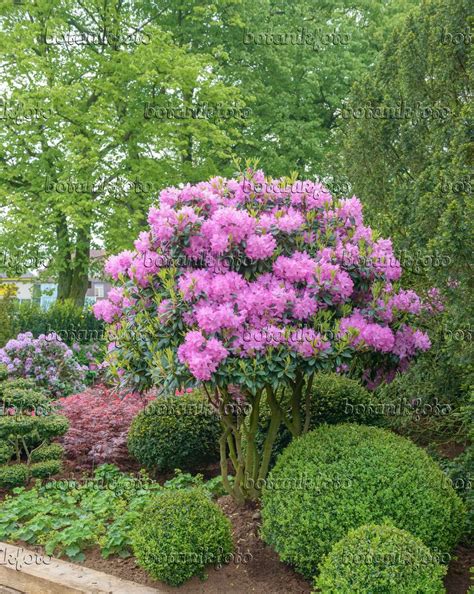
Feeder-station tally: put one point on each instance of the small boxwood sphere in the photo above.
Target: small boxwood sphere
(175, 432)
(46, 452)
(178, 534)
(380, 559)
(13, 475)
(335, 399)
(339, 477)
(340, 399)
(6, 452)
(45, 468)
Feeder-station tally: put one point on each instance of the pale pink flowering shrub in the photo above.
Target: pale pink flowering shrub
(255, 285)
(47, 360)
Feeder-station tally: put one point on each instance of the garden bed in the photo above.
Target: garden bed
(263, 572)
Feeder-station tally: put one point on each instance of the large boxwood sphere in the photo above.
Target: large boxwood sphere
(178, 534)
(381, 559)
(339, 477)
(175, 432)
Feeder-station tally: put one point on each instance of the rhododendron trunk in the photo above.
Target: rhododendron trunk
(249, 464)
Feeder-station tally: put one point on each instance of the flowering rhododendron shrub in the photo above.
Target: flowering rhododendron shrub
(47, 360)
(99, 420)
(251, 288)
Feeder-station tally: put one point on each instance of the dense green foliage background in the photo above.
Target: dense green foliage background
(87, 161)
(84, 152)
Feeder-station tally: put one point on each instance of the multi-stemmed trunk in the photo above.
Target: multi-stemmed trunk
(238, 443)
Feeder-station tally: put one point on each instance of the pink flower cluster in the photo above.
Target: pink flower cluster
(201, 355)
(284, 258)
(403, 301)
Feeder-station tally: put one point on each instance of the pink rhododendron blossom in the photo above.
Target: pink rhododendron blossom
(260, 247)
(350, 211)
(297, 268)
(231, 271)
(308, 343)
(106, 310)
(143, 243)
(384, 260)
(117, 265)
(379, 337)
(203, 356)
(290, 222)
(408, 341)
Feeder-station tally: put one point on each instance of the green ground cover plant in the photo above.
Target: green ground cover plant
(68, 517)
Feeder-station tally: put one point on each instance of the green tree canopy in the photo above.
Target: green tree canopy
(79, 80)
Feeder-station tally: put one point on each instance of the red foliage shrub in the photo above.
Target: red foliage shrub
(99, 422)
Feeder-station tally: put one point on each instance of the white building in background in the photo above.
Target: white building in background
(25, 285)
(30, 288)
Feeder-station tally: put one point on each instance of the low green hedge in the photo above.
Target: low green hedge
(339, 477)
(380, 559)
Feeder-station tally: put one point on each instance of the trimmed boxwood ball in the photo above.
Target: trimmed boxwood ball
(178, 534)
(51, 451)
(339, 477)
(380, 559)
(6, 453)
(175, 432)
(340, 399)
(18, 383)
(46, 468)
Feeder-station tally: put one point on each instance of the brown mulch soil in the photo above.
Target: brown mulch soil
(458, 579)
(263, 573)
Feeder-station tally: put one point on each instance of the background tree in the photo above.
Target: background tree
(295, 62)
(77, 77)
(414, 173)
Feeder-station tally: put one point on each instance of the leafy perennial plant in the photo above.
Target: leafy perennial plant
(68, 517)
(250, 287)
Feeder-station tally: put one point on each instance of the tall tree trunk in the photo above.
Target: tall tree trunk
(64, 283)
(64, 249)
(80, 272)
